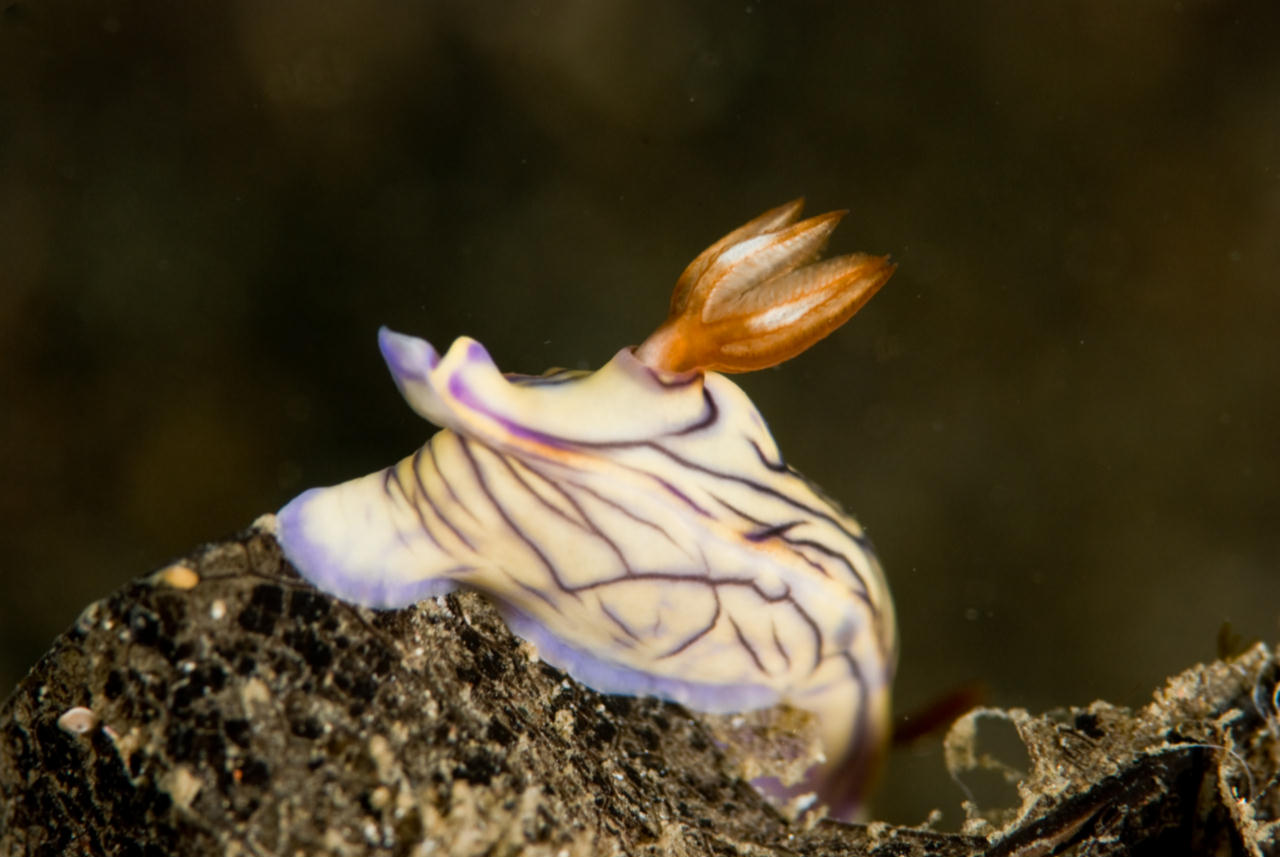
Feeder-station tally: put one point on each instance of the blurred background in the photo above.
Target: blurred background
(1059, 421)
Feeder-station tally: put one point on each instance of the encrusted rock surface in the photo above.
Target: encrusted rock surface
(1196, 771)
(231, 708)
(223, 706)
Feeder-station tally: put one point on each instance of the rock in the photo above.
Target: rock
(1197, 771)
(224, 706)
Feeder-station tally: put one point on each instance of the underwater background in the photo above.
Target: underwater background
(1059, 421)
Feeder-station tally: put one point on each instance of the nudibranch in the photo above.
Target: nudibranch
(637, 524)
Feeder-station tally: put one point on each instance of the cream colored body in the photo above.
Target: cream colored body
(637, 523)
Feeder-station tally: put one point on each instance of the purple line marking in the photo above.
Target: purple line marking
(742, 640)
(628, 513)
(458, 388)
(391, 474)
(510, 522)
(426, 496)
(777, 643)
(861, 541)
(608, 677)
(617, 621)
(698, 636)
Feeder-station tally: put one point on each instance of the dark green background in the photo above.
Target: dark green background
(1059, 421)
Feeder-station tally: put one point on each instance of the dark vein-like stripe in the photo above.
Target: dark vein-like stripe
(713, 414)
(560, 441)
(833, 554)
(617, 621)
(426, 495)
(618, 507)
(714, 583)
(817, 634)
(777, 531)
(700, 634)
(777, 644)
(552, 378)
(778, 466)
(746, 644)
(430, 449)
(669, 488)
(684, 379)
(561, 513)
(757, 486)
(587, 524)
(502, 512)
(529, 588)
(392, 474)
(771, 532)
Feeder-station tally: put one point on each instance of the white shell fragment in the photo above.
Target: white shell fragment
(77, 720)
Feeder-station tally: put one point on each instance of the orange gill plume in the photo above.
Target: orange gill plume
(758, 296)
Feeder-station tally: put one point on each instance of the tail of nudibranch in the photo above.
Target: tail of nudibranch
(757, 297)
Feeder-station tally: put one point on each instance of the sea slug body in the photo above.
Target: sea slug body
(638, 523)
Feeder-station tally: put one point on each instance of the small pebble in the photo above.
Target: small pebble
(179, 576)
(266, 524)
(77, 720)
